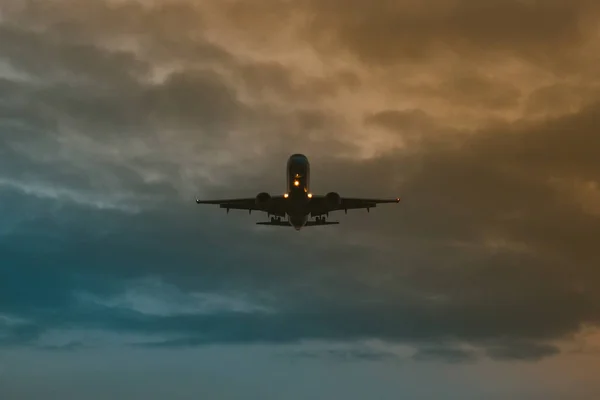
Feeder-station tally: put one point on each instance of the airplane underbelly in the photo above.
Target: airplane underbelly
(297, 207)
(298, 221)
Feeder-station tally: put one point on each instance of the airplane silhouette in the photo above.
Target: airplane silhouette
(298, 203)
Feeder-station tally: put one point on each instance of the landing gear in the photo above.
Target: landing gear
(320, 220)
(275, 219)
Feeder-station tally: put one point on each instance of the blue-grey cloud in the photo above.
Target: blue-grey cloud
(522, 351)
(446, 354)
(357, 354)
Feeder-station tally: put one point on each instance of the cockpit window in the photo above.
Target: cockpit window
(298, 158)
(298, 165)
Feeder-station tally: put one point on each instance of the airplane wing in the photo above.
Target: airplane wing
(275, 208)
(320, 206)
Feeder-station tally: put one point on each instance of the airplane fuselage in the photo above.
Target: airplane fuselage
(297, 191)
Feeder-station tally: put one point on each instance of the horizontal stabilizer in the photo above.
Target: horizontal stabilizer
(275, 223)
(308, 223)
(314, 223)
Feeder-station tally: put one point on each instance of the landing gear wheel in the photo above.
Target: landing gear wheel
(272, 219)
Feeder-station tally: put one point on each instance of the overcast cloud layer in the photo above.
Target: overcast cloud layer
(482, 116)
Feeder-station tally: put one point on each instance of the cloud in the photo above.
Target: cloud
(156, 298)
(16, 331)
(523, 351)
(396, 120)
(481, 295)
(495, 238)
(385, 32)
(357, 353)
(447, 354)
(70, 346)
(134, 121)
(46, 60)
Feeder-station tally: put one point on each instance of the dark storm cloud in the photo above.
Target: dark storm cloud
(312, 302)
(71, 346)
(473, 88)
(522, 351)
(346, 355)
(166, 31)
(107, 90)
(19, 334)
(447, 354)
(199, 98)
(496, 184)
(483, 297)
(483, 249)
(469, 88)
(560, 98)
(411, 124)
(171, 21)
(317, 301)
(106, 93)
(106, 98)
(43, 56)
(386, 32)
(171, 32)
(276, 78)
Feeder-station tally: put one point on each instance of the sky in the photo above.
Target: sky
(481, 115)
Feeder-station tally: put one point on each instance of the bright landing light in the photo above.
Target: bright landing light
(296, 183)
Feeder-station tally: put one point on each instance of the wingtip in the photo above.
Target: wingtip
(397, 199)
(197, 201)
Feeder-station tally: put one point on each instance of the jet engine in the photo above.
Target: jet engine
(263, 200)
(333, 200)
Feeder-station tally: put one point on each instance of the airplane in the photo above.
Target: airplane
(297, 202)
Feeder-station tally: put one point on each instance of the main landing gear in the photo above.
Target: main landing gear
(320, 220)
(275, 219)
